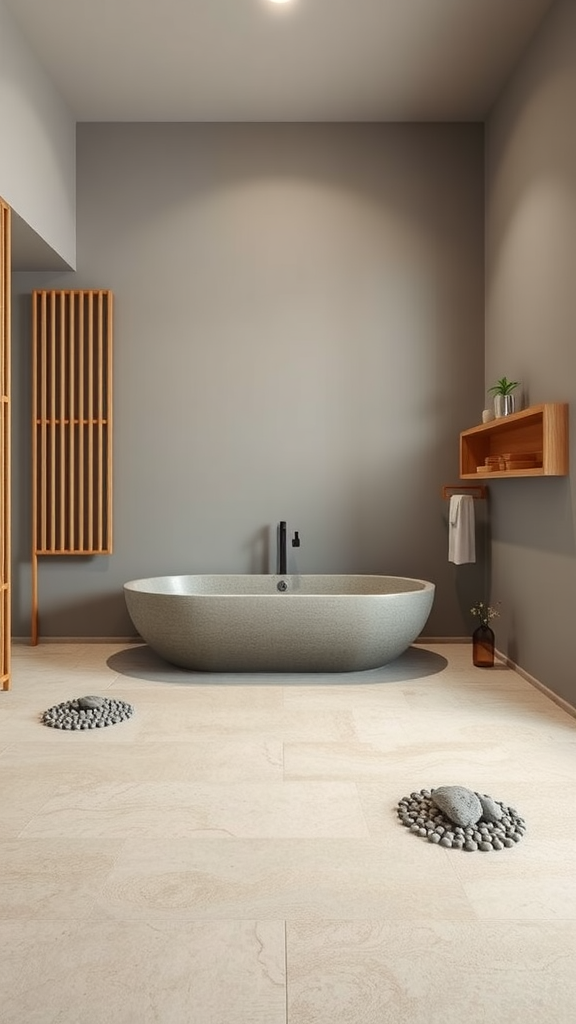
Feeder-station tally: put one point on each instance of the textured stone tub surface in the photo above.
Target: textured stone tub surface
(244, 623)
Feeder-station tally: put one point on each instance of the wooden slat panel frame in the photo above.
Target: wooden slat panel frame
(5, 412)
(71, 426)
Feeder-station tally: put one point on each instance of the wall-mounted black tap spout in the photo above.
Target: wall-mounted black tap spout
(282, 549)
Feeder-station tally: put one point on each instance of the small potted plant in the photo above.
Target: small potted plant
(483, 635)
(504, 397)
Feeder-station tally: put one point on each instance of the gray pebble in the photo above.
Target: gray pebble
(73, 717)
(415, 813)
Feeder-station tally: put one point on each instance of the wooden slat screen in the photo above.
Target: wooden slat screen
(72, 424)
(5, 569)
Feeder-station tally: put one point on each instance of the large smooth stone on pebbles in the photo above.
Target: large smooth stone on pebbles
(459, 804)
(90, 702)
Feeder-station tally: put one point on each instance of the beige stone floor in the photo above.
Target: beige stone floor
(231, 855)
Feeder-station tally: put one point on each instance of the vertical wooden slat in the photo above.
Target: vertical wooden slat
(90, 468)
(61, 423)
(100, 428)
(109, 419)
(71, 423)
(5, 526)
(43, 354)
(81, 421)
(37, 432)
(52, 511)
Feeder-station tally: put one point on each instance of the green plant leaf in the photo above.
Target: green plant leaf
(503, 386)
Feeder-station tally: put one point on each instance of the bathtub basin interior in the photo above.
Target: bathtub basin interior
(244, 623)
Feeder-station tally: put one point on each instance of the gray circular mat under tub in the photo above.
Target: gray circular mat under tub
(485, 824)
(87, 713)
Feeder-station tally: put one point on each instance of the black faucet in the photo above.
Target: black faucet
(282, 570)
(282, 549)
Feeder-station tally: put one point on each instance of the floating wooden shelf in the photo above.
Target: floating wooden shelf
(541, 429)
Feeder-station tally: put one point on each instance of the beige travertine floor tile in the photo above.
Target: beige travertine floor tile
(210, 972)
(535, 879)
(198, 760)
(438, 972)
(175, 723)
(435, 763)
(25, 653)
(541, 897)
(180, 809)
(432, 726)
(295, 879)
(217, 696)
(22, 798)
(53, 878)
(377, 698)
(42, 689)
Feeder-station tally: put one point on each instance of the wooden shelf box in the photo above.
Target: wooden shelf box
(541, 429)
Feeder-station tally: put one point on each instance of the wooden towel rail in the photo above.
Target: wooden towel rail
(71, 427)
(476, 491)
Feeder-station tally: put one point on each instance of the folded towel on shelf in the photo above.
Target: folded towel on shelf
(461, 530)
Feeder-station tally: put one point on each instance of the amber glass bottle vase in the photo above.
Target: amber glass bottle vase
(483, 646)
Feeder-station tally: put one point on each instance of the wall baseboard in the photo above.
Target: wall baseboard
(554, 697)
(443, 640)
(20, 640)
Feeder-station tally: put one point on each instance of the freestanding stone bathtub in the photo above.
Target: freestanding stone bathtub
(250, 623)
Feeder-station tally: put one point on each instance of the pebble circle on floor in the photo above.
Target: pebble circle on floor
(467, 821)
(87, 713)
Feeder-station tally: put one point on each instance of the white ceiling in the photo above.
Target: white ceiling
(253, 60)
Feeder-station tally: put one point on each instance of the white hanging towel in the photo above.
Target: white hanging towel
(461, 530)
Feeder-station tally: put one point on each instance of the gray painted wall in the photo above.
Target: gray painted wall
(37, 150)
(530, 324)
(298, 335)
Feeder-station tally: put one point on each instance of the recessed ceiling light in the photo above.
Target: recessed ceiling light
(279, 1)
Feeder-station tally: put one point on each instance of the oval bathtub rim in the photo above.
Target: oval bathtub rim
(136, 585)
